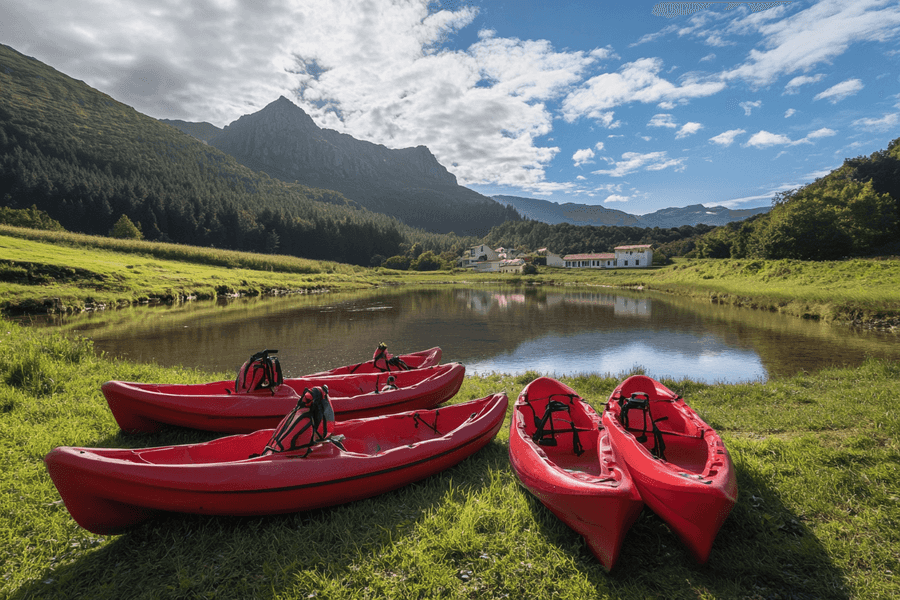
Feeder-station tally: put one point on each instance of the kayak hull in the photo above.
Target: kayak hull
(591, 493)
(146, 407)
(693, 487)
(109, 491)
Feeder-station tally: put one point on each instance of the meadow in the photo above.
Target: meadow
(818, 515)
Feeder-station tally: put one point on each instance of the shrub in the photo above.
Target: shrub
(398, 263)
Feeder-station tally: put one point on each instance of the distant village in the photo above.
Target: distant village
(484, 259)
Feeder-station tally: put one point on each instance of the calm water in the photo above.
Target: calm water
(557, 331)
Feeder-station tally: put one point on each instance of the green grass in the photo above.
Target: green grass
(86, 271)
(817, 459)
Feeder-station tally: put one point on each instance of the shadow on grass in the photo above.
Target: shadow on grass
(762, 552)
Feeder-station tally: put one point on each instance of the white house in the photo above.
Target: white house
(592, 260)
(640, 255)
(478, 254)
(553, 260)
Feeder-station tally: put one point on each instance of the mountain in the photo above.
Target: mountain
(85, 159)
(576, 214)
(408, 183)
(586, 214)
(697, 214)
(202, 131)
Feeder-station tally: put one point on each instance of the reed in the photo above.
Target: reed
(817, 458)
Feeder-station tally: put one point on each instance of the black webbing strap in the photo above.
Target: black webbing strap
(641, 401)
(541, 434)
(396, 361)
(432, 426)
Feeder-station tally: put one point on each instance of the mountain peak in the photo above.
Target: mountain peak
(284, 109)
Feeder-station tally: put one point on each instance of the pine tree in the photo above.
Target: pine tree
(126, 230)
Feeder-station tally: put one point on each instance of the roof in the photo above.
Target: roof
(592, 256)
(512, 262)
(635, 247)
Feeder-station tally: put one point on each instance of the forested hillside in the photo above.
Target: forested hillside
(406, 183)
(564, 238)
(86, 160)
(853, 211)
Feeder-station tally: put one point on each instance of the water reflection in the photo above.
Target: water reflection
(560, 331)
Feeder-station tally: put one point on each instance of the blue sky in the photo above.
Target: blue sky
(597, 102)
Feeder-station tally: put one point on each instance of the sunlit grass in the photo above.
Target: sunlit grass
(817, 458)
(230, 259)
(37, 275)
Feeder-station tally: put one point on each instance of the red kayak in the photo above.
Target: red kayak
(108, 491)
(678, 462)
(561, 455)
(216, 406)
(382, 361)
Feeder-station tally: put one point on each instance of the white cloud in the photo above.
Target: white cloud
(726, 138)
(789, 113)
(820, 133)
(737, 202)
(634, 161)
(616, 198)
(636, 81)
(749, 106)
(764, 139)
(606, 53)
(838, 92)
(662, 120)
(888, 121)
(708, 57)
(793, 86)
(815, 35)
(480, 110)
(599, 146)
(688, 129)
(582, 157)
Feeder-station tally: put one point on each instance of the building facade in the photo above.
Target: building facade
(636, 256)
(593, 260)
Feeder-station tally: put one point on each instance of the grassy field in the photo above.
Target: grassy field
(42, 271)
(817, 459)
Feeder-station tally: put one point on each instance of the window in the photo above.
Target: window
(626, 263)
(637, 263)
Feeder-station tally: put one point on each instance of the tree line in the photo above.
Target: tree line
(852, 211)
(565, 238)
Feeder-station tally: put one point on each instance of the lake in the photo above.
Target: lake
(552, 330)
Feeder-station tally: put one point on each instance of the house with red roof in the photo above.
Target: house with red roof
(591, 260)
(635, 256)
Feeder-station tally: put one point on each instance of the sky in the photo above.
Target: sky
(632, 105)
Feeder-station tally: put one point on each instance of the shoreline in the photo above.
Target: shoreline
(77, 273)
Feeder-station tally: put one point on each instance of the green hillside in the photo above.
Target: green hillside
(86, 160)
(852, 211)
